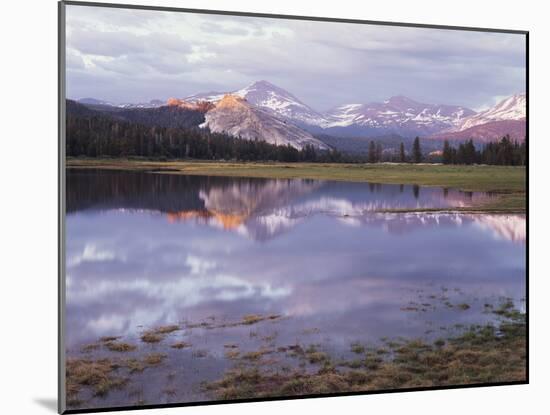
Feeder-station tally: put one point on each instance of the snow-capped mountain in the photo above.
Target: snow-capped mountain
(235, 116)
(397, 115)
(93, 101)
(271, 98)
(490, 131)
(154, 103)
(511, 108)
(507, 117)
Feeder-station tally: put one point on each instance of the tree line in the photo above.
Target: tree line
(503, 152)
(100, 136)
(377, 155)
(103, 136)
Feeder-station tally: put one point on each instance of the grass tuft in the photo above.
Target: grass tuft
(481, 354)
(180, 345)
(134, 366)
(166, 329)
(154, 359)
(96, 375)
(151, 337)
(120, 347)
(107, 339)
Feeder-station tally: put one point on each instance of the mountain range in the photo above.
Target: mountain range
(396, 115)
(262, 110)
(154, 103)
(506, 117)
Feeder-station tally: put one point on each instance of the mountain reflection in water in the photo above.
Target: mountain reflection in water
(150, 249)
(261, 209)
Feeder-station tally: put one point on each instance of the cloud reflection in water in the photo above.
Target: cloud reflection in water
(313, 250)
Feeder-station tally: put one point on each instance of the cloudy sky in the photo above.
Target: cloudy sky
(124, 55)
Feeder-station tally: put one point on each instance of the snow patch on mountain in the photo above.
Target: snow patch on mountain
(398, 114)
(154, 103)
(271, 98)
(511, 108)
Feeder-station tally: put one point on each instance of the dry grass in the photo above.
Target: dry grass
(134, 366)
(151, 337)
(157, 334)
(357, 348)
(202, 325)
(120, 347)
(106, 339)
(94, 374)
(256, 318)
(154, 359)
(180, 345)
(90, 348)
(252, 319)
(246, 320)
(317, 357)
(480, 355)
(256, 355)
(166, 329)
(232, 354)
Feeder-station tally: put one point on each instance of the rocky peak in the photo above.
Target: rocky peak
(230, 101)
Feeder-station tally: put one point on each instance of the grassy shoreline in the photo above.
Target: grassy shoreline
(507, 182)
(476, 354)
(480, 355)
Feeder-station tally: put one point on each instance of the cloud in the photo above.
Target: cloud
(74, 60)
(114, 44)
(145, 54)
(220, 28)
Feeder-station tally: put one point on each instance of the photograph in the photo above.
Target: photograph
(259, 207)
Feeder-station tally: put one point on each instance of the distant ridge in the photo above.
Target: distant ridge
(398, 115)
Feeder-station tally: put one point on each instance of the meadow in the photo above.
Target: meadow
(507, 182)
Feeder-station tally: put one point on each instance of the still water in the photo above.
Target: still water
(145, 250)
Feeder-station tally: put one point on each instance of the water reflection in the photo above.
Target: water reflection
(149, 249)
(258, 208)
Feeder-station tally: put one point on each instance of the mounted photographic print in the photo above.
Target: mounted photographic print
(259, 207)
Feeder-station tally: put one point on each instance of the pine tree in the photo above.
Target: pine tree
(417, 151)
(470, 152)
(447, 153)
(372, 152)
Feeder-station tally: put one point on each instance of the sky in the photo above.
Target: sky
(122, 55)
